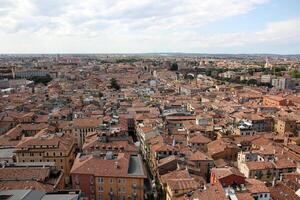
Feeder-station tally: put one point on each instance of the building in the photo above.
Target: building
(272, 100)
(58, 148)
(103, 142)
(266, 78)
(211, 192)
(244, 129)
(283, 83)
(257, 189)
(222, 149)
(200, 164)
(262, 170)
(228, 74)
(198, 142)
(144, 133)
(237, 186)
(227, 176)
(285, 125)
(31, 73)
(113, 176)
(281, 191)
(40, 176)
(177, 183)
(166, 165)
(32, 194)
(84, 126)
(257, 123)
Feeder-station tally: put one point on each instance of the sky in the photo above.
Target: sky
(150, 26)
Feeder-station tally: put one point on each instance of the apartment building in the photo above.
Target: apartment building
(114, 176)
(58, 148)
(272, 100)
(81, 127)
(284, 125)
(177, 183)
(39, 176)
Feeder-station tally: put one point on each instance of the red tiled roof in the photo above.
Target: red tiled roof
(102, 168)
(199, 139)
(226, 171)
(199, 156)
(39, 174)
(261, 165)
(183, 184)
(87, 123)
(256, 186)
(178, 174)
(34, 185)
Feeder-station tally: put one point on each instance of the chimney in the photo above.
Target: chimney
(274, 181)
(174, 142)
(117, 165)
(13, 72)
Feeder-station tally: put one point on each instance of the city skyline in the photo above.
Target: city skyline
(129, 26)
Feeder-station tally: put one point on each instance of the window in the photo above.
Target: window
(266, 195)
(119, 180)
(101, 180)
(111, 181)
(77, 179)
(101, 188)
(91, 180)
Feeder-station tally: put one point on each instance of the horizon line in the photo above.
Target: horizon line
(141, 53)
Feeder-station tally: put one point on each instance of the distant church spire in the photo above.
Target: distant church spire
(267, 63)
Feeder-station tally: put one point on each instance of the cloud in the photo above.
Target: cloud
(131, 26)
(286, 31)
(145, 15)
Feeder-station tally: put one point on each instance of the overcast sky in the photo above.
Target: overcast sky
(138, 26)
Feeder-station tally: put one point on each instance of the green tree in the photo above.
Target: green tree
(41, 79)
(252, 82)
(174, 67)
(295, 73)
(280, 68)
(114, 84)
